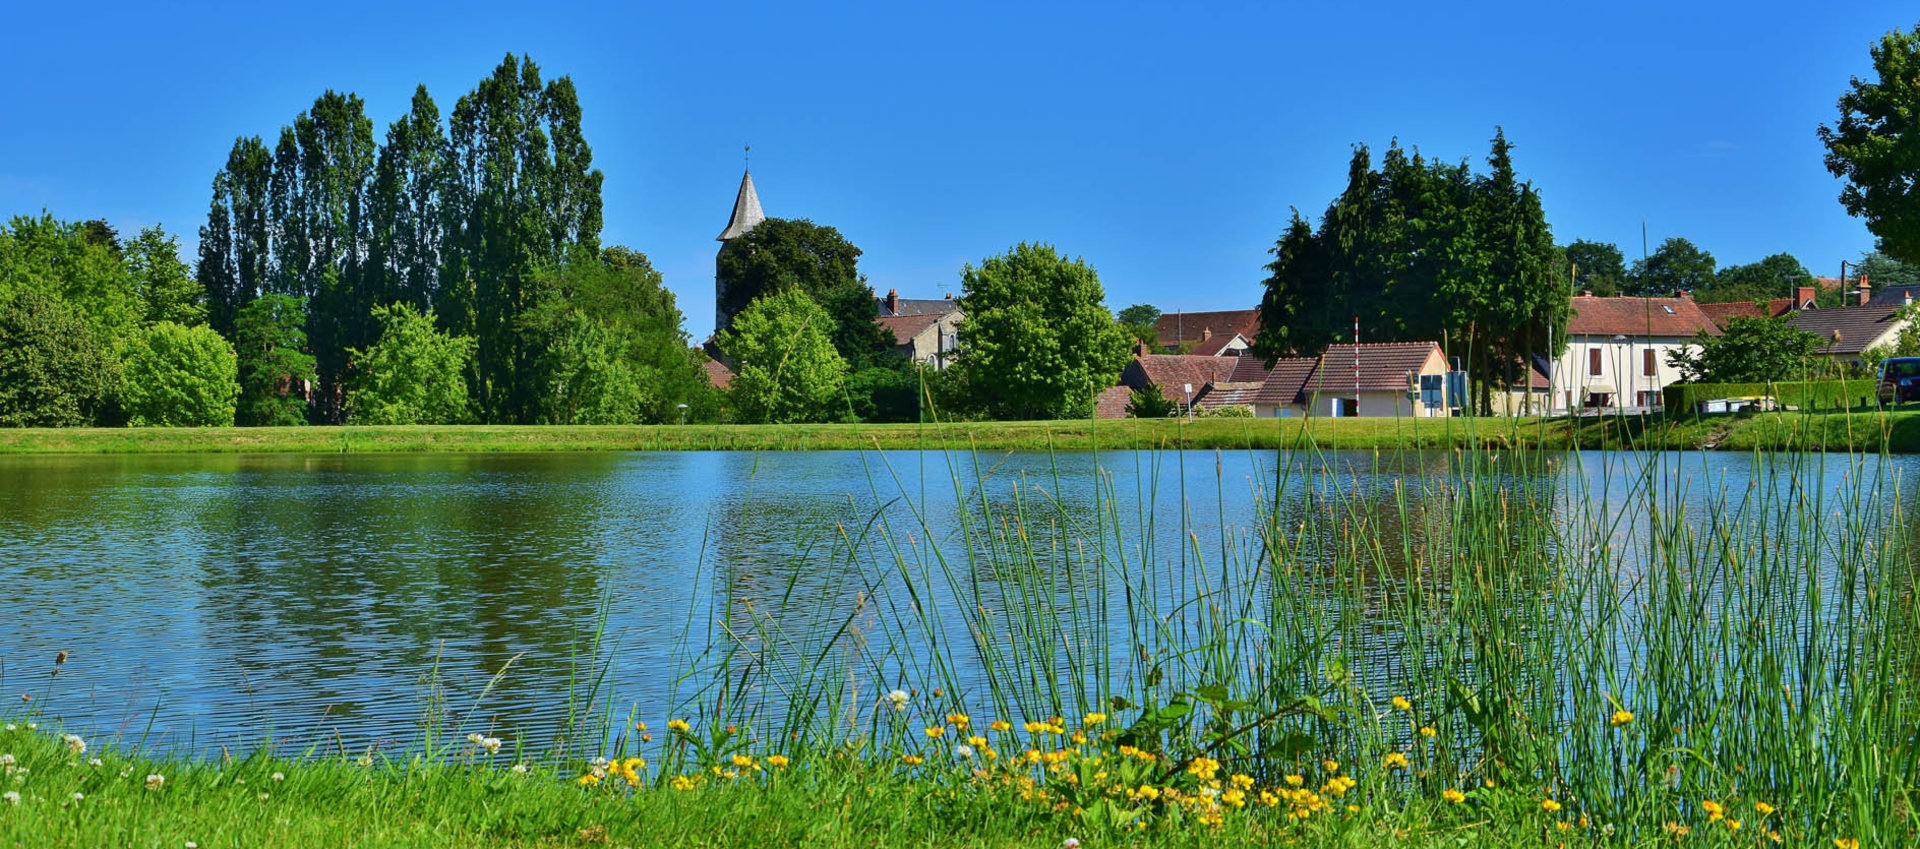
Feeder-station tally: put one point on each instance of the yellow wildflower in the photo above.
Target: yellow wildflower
(1000, 725)
(1846, 843)
(1621, 718)
(913, 760)
(1714, 811)
(1400, 703)
(1095, 718)
(1242, 780)
(1395, 760)
(1428, 731)
(684, 782)
(1144, 791)
(1295, 781)
(1677, 829)
(777, 760)
(1453, 795)
(1762, 808)
(1733, 824)
(589, 780)
(679, 725)
(1203, 768)
(959, 720)
(1550, 806)
(936, 731)
(1330, 765)
(743, 762)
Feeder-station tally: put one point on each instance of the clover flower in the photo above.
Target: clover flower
(12, 797)
(963, 750)
(155, 780)
(491, 744)
(74, 743)
(899, 698)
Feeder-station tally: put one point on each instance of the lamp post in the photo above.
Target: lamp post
(1188, 388)
(683, 413)
(1618, 338)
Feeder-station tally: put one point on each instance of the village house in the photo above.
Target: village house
(925, 330)
(1847, 333)
(1616, 355)
(1225, 333)
(1803, 299)
(1174, 374)
(1386, 379)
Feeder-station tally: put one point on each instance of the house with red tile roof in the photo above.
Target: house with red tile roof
(1223, 333)
(1174, 373)
(1379, 379)
(1616, 355)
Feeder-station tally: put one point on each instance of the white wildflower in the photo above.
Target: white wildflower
(12, 727)
(79, 797)
(365, 760)
(963, 750)
(33, 726)
(1070, 843)
(491, 744)
(899, 698)
(519, 769)
(74, 743)
(155, 780)
(475, 738)
(265, 796)
(6, 759)
(279, 776)
(192, 845)
(12, 797)
(96, 762)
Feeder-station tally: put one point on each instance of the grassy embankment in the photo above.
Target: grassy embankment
(1482, 655)
(1865, 432)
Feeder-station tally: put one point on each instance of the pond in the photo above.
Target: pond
(222, 600)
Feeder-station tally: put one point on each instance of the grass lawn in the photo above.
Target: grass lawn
(1898, 432)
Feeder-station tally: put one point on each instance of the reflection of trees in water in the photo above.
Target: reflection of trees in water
(399, 566)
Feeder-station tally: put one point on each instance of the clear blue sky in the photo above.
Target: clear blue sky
(1163, 143)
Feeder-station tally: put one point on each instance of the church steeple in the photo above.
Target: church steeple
(746, 210)
(746, 216)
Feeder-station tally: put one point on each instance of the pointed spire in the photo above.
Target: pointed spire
(746, 210)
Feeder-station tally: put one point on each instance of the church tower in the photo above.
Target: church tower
(746, 215)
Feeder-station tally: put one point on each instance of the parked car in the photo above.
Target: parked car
(1900, 380)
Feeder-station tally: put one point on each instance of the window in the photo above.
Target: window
(1593, 361)
(1668, 309)
(1647, 365)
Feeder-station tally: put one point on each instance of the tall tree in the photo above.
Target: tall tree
(521, 194)
(403, 263)
(620, 292)
(1875, 146)
(1883, 271)
(73, 264)
(1598, 267)
(1676, 266)
(167, 292)
(1038, 342)
(793, 253)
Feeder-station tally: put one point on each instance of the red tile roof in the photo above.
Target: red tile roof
(1176, 329)
(1171, 372)
(1383, 366)
(1112, 402)
(718, 374)
(1638, 317)
(905, 327)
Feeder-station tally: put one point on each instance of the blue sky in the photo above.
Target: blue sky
(1163, 143)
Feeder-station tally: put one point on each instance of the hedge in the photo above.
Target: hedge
(1806, 395)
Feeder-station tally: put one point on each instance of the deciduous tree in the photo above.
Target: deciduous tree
(1039, 341)
(1748, 350)
(54, 371)
(414, 374)
(276, 373)
(785, 365)
(179, 376)
(1875, 145)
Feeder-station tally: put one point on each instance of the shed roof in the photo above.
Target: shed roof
(1171, 372)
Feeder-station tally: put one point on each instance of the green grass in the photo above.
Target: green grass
(1871, 432)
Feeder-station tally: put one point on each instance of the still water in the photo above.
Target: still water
(307, 600)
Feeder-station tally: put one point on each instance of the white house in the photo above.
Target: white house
(1616, 356)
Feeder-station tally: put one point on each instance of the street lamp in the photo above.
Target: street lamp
(683, 413)
(1188, 387)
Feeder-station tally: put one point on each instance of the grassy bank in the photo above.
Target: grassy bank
(1868, 432)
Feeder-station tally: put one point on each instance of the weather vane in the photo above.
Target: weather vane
(748, 156)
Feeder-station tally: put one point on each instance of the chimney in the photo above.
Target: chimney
(1586, 293)
(1140, 349)
(893, 302)
(1684, 295)
(1906, 298)
(1803, 296)
(1206, 333)
(1866, 295)
(949, 296)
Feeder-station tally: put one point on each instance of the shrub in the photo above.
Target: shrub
(179, 376)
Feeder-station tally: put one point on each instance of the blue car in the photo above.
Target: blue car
(1900, 380)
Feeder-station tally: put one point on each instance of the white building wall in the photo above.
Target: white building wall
(1622, 367)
